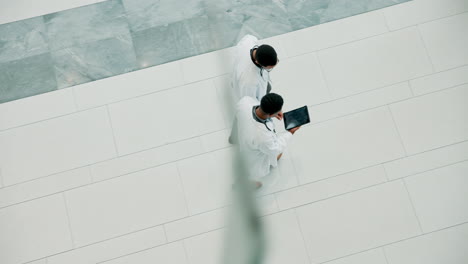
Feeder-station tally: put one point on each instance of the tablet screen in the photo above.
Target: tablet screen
(297, 117)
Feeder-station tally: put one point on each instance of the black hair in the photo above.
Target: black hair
(271, 103)
(266, 55)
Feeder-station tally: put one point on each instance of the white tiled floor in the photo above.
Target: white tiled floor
(104, 173)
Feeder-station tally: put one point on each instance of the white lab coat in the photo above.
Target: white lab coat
(246, 78)
(259, 146)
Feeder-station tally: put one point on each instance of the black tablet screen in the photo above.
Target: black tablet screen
(297, 117)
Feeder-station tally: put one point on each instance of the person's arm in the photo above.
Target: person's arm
(275, 144)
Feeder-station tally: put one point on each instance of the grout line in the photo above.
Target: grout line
(302, 235)
(397, 130)
(69, 220)
(385, 255)
(411, 89)
(185, 251)
(112, 130)
(91, 177)
(324, 78)
(165, 232)
(394, 242)
(425, 48)
(412, 206)
(189, 212)
(386, 21)
(385, 171)
(430, 21)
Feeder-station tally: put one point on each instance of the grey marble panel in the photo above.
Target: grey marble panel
(86, 24)
(162, 44)
(145, 14)
(94, 61)
(23, 39)
(27, 77)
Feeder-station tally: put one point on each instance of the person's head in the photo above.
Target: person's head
(271, 104)
(266, 57)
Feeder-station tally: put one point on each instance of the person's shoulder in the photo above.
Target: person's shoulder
(247, 100)
(248, 40)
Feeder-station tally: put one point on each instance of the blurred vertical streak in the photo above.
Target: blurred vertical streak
(244, 237)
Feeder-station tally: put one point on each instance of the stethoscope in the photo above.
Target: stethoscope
(260, 121)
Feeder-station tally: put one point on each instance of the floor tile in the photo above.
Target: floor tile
(128, 85)
(207, 180)
(172, 40)
(359, 102)
(427, 161)
(112, 248)
(94, 61)
(300, 82)
(420, 11)
(317, 191)
(22, 39)
(24, 9)
(446, 41)
(146, 159)
(44, 186)
(374, 256)
(55, 145)
(308, 13)
(445, 246)
(358, 221)
(86, 24)
(170, 254)
(280, 178)
(284, 242)
(36, 108)
(226, 97)
(206, 248)
(207, 65)
(34, 230)
(323, 150)
(195, 225)
(440, 81)
(439, 196)
(333, 33)
(432, 120)
(216, 140)
(375, 62)
(138, 123)
(26, 77)
(130, 203)
(266, 205)
(144, 14)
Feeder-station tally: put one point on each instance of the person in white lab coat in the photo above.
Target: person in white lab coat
(251, 75)
(252, 66)
(259, 143)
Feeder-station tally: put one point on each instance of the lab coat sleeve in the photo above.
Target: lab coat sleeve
(275, 145)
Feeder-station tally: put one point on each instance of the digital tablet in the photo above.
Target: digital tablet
(297, 117)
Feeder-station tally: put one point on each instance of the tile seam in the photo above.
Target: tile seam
(389, 109)
(72, 237)
(412, 206)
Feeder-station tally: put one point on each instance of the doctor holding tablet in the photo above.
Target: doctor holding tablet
(259, 142)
